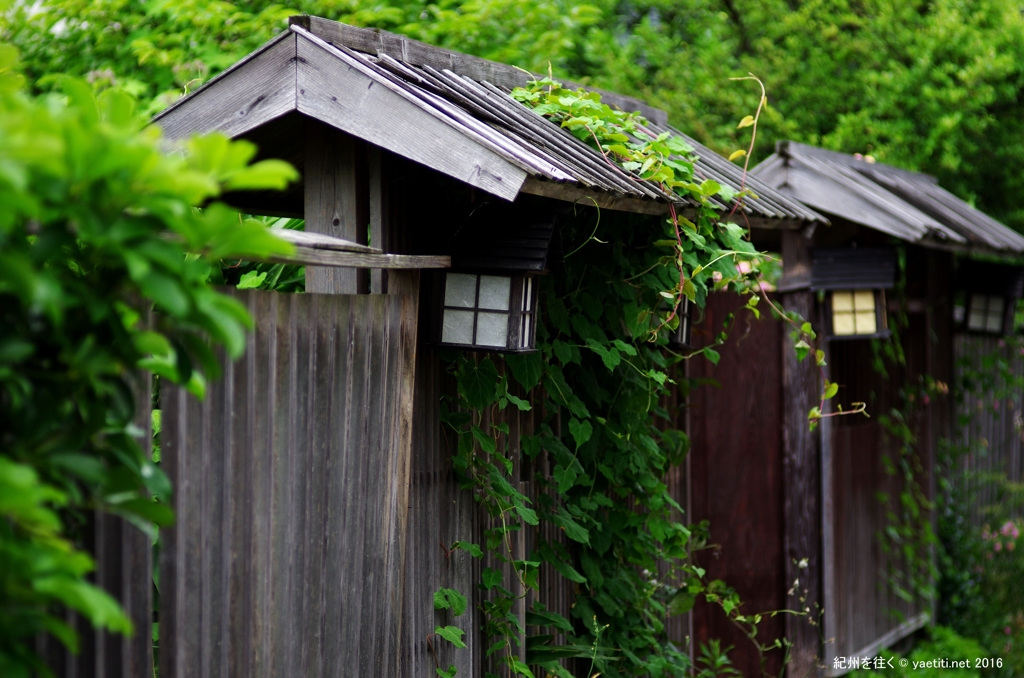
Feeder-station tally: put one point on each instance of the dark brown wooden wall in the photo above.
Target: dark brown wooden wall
(736, 475)
(865, 608)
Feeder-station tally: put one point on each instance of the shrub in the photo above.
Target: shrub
(97, 226)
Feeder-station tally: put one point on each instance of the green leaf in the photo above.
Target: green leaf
(478, 383)
(712, 355)
(520, 404)
(802, 348)
(580, 431)
(450, 599)
(469, 547)
(491, 578)
(547, 618)
(747, 121)
(487, 443)
(528, 515)
(565, 477)
(831, 389)
(154, 512)
(682, 602)
(251, 280)
(572, 529)
(452, 634)
(527, 368)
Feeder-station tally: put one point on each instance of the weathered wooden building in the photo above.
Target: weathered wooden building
(800, 512)
(378, 125)
(314, 492)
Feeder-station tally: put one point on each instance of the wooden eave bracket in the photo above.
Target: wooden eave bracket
(317, 249)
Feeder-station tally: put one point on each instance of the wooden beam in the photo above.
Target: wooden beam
(334, 205)
(589, 197)
(892, 637)
(380, 214)
(802, 478)
(796, 259)
(254, 91)
(315, 257)
(341, 92)
(318, 241)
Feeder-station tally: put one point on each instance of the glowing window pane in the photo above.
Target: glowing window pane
(843, 324)
(865, 322)
(842, 301)
(854, 313)
(864, 300)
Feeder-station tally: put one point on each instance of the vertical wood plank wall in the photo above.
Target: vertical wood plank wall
(992, 431)
(736, 476)
(290, 491)
(866, 608)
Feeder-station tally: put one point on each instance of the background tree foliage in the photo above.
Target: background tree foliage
(926, 85)
(97, 227)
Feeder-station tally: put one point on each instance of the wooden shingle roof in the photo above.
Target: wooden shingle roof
(908, 205)
(449, 111)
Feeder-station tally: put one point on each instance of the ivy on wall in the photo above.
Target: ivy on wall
(601, 369)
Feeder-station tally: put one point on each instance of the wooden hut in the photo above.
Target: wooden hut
(313, 487)
(800, 513)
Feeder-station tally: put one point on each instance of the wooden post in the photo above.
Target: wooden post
(336, 202)
(802, 544)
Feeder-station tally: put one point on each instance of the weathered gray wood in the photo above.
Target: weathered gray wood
(288, 559)
(829, 589)
(802, 477)
(380, 213)
(322, 241)
(796, 258)
(901, 631)
(393, 119)
(517, 150)
(254, 91)
(578, 194)
(315, 257)
(375, 41)
(333, 203)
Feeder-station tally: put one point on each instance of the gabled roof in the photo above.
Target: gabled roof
(908, 205)
(448, 111)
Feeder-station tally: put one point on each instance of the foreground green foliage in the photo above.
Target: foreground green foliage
(97, 228)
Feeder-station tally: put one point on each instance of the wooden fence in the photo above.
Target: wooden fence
(991, 428)
(290, 492)
(317, 505)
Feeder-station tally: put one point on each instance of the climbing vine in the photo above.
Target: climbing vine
(907, 538)
(605, 442)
